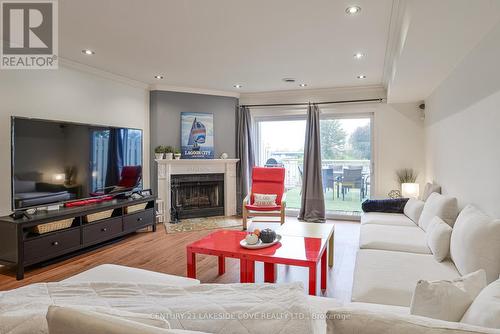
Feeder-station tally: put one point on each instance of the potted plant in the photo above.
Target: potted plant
(177, 153)
(169, 152)
(407, 177)
(159, 152)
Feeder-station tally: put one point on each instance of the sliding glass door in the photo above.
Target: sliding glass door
(346, 150)
(346, 153)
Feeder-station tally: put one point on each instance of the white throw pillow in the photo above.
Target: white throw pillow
(438, 237)
(64, 320)
(444, 207)
(264, 199)
(413, 209)
(447, 300)
(429, 189)
(475, 243)
(485, 309)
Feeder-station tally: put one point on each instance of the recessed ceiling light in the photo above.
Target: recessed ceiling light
(361, 76)
(238, 86)
(159, 77)
(303, 85)
(88, 52)
(352, 10)
(359, 55)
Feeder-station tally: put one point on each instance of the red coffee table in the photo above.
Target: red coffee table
(291, 250)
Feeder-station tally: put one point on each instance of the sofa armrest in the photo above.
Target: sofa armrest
(349, 320)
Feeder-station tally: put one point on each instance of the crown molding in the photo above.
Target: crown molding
(203, 91)
(314, 95)
(102, 73)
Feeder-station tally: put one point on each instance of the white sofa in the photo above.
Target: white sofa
(319, 305)
(394, 255)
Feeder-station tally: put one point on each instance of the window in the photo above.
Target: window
(281, 143)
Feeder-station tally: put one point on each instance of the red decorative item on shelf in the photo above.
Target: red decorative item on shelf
(88, 201)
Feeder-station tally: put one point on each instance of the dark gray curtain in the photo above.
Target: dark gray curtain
(244, 152)
(312, 206)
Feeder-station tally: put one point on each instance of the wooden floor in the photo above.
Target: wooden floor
(166, 253)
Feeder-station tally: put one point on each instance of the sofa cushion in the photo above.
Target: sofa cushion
(380, 218)
(393, 238)
(429, 189)
(413, 209)
(475, 243)
(444, 207)
(447, 300)
(350, 320)
(117, 273)
(63, 320)
(438, 237)
(319, 306)
(386, 277)
(485, 309)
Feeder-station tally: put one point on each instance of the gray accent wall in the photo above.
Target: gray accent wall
(165, 121)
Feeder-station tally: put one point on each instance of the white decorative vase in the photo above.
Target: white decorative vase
(177, 156)
(169, 156)
(159, 156)
(410, 190)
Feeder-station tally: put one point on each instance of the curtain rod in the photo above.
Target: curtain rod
(305, 104)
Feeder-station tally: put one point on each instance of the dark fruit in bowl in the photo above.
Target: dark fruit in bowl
(267, 235)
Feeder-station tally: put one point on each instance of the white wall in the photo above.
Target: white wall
(399, 143)
(463, 128)
(398, 128)
(68, 94)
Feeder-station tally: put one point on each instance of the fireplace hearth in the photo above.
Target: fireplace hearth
(196, 195)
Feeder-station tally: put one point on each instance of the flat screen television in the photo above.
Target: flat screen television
(54, 162)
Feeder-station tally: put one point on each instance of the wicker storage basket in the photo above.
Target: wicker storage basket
(135, 208)
(98, 216)
(53, 226)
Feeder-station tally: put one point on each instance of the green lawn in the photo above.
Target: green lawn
(351, 202)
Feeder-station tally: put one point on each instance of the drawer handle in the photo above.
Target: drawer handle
(104, 229)
(139, 219)
(55, 243)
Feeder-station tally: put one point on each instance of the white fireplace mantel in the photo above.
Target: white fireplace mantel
(167, 168)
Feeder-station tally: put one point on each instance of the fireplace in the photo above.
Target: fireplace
(197, 195)
(170, 169)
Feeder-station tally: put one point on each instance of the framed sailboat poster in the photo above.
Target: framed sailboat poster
(197, 135)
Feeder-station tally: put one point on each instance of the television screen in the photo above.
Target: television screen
(55, 162)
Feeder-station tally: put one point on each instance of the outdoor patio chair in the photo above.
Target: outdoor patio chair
(352, 178)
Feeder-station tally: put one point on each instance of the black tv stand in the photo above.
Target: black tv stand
(21, 247)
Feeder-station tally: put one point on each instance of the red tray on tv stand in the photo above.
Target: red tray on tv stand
(88, 201)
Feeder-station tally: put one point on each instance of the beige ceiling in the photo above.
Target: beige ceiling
(410, 45)
(214, 44)
(431, 38)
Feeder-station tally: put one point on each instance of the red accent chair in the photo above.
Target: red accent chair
(266, 181)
